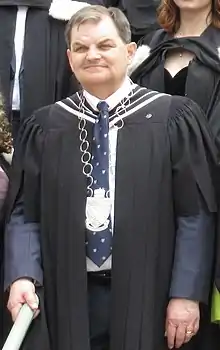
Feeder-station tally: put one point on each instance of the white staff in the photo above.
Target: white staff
(19, 329)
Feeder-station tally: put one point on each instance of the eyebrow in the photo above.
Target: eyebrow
(77, 43)
(102, 41)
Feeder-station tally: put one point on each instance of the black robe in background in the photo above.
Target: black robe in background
(160, 144)
(202, 86)
(45, 76)
(42, 4)
(203, 78)
(140, 13)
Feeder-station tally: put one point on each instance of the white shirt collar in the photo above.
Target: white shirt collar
(112, 100)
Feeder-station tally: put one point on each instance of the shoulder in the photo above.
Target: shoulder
(212, 37)
(146, 102)
(167, 109)
(54, 116)
(145, 46)
(154, 38)
(184, 107)
(187, 116)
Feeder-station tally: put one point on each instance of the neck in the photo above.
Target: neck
(192, 25)
(102, 92)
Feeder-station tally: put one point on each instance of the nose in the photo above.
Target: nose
(93, 53)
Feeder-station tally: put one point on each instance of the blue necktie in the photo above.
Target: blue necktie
(99, 241)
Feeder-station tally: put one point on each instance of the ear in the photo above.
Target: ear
(68, 52)
(131, 49)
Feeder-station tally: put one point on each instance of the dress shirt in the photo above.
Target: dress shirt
(112, 102)
(190, 276)
(19, 48)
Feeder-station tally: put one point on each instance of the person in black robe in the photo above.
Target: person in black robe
(183, 57)
(43, 72)
(154, 151)
(6, 151)
(141, 15)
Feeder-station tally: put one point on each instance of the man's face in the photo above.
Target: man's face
(98, 55)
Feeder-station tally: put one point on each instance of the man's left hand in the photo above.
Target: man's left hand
(182, 321)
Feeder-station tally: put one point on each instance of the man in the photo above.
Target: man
(112, 202)
(34, 70)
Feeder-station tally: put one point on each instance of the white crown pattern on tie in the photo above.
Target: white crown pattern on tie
(98, 209)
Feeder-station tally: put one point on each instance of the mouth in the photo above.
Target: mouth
(94, 66)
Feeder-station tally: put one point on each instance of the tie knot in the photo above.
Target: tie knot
(102, 106)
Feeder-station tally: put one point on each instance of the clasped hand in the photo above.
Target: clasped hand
(22, 291)
(182, 322)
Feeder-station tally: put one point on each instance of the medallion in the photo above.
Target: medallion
(98, 209)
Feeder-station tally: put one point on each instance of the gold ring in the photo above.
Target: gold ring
(189, 332)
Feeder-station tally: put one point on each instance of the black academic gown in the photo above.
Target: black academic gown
(45, 75)
(158, 147)
(203, 78)
(202, 86)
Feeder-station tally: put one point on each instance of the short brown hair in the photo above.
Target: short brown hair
(96, 13)
(5, 131)
(169, 15)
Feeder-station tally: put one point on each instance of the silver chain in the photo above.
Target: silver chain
(84, 143)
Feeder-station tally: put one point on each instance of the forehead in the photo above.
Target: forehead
(92, 31)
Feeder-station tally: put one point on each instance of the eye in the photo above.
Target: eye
(106, 47)
(80, 49)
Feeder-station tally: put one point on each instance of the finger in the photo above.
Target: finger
(32, 300)
(189, 334)
(171, 334)
(15, 311)
(166, 326)
(36, 313)
(13, 301)
(180, 335)
(196, 326)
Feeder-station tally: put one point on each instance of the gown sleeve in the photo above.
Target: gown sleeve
(25, 183)
(26, 168)
(193, 157)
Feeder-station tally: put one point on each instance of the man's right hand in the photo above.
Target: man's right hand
(22, 292)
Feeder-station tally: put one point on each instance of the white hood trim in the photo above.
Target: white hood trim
(64, 9)
(8, 156)
(141, 54)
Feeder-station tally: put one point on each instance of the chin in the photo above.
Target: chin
(185, 4)
(96, 79)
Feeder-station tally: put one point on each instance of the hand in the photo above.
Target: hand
(22, 291)
(182, 321)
